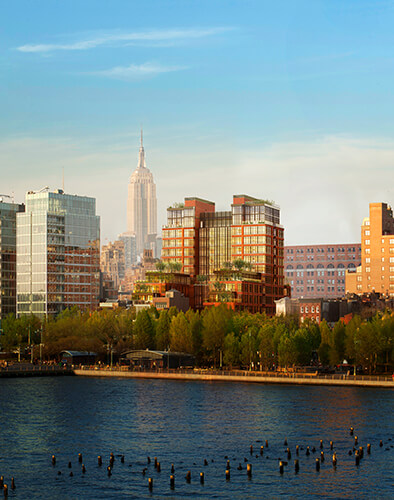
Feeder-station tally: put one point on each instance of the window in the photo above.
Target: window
(367, 242)
(367, 250)
(306, 309)
(367, 260)
(367, 232)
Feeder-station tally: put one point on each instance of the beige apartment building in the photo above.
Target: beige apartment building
(112, 262)
(376, 272)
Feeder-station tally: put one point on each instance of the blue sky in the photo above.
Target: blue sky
(287, 100)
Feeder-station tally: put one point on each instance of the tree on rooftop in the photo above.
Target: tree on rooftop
(160, 265)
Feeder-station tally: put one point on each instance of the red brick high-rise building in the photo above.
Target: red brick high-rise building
(204, 242)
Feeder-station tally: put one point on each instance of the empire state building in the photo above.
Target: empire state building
(142, 205)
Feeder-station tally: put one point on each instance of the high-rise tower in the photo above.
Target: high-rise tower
(142, 204)
(57, 253)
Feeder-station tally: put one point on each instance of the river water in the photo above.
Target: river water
(183, 423)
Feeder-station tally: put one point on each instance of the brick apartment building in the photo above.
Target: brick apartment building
(315, 271)
(376, 272)
(206, 242)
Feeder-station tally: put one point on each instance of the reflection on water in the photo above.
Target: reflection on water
(184, 423)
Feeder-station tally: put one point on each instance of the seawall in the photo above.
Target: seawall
(297, 379)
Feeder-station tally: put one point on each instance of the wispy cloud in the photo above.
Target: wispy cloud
(137, 71)
(154, 36)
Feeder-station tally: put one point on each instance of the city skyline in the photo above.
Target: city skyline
(287, 102)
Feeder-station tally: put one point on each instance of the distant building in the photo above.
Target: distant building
(130, 249)
(112, 262)
(108, 292)
(142, 205)
(376, 272)
(8, 213)
(315, 271)
(317, 309)
(172, 298)
(58, 253)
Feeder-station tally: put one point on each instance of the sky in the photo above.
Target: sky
(289, 100)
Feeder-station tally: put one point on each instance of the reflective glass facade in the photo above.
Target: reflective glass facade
(58, 254)
(8, 213)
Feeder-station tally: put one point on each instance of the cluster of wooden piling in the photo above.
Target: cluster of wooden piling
(4, 486)
(356, 450)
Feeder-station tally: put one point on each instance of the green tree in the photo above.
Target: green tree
(180, 334)
(325, 344)
(195, 322)
(287, 351)
(143, 331)
(266, 346)
(337, 351)
(160, 265)
(249, 346)
(163, 331)
(231, 350)
(217, 322)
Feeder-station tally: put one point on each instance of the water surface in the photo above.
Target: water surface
(183, 423)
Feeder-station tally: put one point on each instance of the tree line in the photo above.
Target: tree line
(216, 336)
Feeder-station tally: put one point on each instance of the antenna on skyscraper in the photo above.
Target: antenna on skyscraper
(63, 179)
(142, 142)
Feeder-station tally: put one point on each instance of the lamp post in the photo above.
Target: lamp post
(41, 345)
(250, 354)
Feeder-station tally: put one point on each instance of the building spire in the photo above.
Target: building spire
(141, 159)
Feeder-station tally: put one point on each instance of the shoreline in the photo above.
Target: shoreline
(289, 379)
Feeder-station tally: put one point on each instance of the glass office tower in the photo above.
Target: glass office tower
(58, 254)
(8, 213)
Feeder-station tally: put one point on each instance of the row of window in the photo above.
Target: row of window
(322, 250)
(320, 266)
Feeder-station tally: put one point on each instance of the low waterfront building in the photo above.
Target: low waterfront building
(148, 359)
(78, 357)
